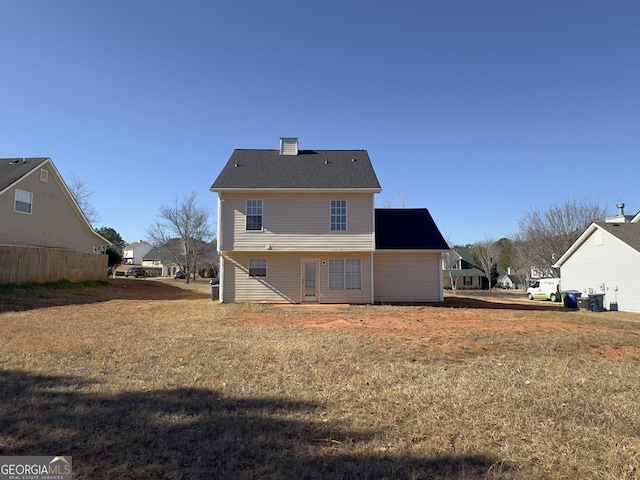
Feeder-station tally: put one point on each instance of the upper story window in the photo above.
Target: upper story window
(24, 201)
(254, 215)
(338, 215)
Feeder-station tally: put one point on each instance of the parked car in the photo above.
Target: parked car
(545, 288)
(180, 274)
(135, 272)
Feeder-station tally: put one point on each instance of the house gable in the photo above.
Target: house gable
(605, 260)
(53, 219)
(14, 169)
(627, 233)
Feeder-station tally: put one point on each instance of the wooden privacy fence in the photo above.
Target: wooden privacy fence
(40, 265)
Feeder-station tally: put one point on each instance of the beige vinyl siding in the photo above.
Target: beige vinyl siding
(53, 221)
(283, 283)
(407, 277)
(296, 222)
(606, 262)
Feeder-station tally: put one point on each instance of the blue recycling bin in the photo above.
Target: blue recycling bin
(596, 302)
(571, 299)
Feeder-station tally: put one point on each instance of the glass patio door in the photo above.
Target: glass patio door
(310, 274)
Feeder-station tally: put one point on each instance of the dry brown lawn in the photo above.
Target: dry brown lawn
(151, 379)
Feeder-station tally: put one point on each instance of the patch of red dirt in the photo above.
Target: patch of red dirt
(461, 326)
(615, 353)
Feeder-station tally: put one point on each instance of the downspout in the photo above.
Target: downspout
(373, 250)
(221, 271)
(372, 281)
(441, 278)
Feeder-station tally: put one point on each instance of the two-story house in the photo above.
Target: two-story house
(44, 235)
(37, 209)
(300, 226)
(133, 253)
(463, 272)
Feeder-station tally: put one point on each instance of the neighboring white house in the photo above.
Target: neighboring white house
(133, 253)
(300, 226)
(605, 260)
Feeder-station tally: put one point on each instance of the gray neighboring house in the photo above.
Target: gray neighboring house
(508, 281)
(158, 262)
(605, 260)
(300, 226)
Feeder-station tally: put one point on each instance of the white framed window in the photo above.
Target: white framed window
(254, 215)
(338, 215)
(44, 175)
(345, 274)
(257, 267)
(24, 201)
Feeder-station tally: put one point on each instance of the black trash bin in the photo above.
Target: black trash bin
(215, 292)
(596, 302)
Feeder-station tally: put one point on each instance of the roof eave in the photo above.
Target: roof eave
(295, 190)
(411, 250)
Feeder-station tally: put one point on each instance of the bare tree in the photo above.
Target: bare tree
(450, 261)
(82, 196)
(399, 200)
(486, 255)
(182, 229)
(545, 235)
(520, 265)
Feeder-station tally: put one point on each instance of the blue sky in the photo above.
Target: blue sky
(477, 110)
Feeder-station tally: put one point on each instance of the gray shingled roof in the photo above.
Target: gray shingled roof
(159, 254)
(628, 233)
(13, 169)
(313, 169)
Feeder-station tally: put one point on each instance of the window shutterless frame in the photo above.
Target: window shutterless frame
(23, 201)
(257, 267)
(338, 216)
(345, 274)
(253, 216)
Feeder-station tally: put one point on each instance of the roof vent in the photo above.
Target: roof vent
(620, 208)
(288, 146)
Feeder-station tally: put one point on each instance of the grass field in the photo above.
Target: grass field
(149, 378)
